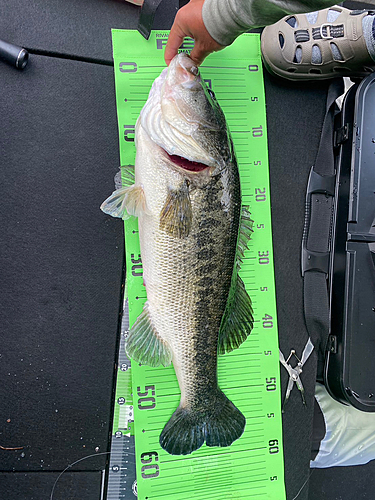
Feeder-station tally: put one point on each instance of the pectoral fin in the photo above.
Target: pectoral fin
(144, 344)
(125, 177)
(176, 215)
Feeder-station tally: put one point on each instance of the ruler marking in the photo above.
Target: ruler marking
(223, 67)
(221, 454)
(208, 468)
(221, 479)
(229, 79)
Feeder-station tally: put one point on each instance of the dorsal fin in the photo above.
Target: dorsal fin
(244, 235)
(237, 321)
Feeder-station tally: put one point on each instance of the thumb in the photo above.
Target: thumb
(175, 39)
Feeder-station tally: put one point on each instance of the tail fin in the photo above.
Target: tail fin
(218, 424)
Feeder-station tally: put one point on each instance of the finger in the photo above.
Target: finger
(175, 39)
(202, 48)
(198, 54)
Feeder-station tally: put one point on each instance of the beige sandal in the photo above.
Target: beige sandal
(310, 47)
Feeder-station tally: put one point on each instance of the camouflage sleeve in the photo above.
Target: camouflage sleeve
(226, 19)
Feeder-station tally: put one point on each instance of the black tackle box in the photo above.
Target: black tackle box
(349, 370)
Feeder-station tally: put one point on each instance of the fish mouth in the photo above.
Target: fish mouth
(185, 164)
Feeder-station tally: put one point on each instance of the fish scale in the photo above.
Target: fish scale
(201, 290)
(252, 374)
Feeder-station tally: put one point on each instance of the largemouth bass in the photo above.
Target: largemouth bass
(193, 232)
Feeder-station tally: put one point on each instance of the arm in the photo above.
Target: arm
(216, 23)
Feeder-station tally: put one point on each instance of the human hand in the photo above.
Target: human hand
(189, 22)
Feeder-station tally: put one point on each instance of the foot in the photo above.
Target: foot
(325, 44)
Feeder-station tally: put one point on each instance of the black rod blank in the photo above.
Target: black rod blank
(13, 55)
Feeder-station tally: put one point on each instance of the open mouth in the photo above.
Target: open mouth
(191, 166)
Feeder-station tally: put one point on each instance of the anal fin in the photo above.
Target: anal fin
(144, 344)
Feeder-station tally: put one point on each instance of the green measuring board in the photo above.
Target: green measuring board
(252, 467)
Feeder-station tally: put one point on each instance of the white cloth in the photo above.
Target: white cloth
(350, 433)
